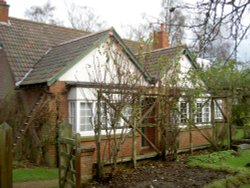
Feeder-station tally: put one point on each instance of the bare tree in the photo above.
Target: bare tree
(140, 32)
(43, 14)
(83, 17)
(172, 15)
(218, 15)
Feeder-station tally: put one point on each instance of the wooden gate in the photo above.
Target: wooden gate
(5, 155)
(69, 158)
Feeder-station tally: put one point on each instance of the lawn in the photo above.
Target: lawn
(230, 161)
(33, 174)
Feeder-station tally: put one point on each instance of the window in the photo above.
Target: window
(202, 114)
(206, 113)
(72, 114)
(83, 116)
(127, 113)
(184, 112)
(86, 116)
(217, 109)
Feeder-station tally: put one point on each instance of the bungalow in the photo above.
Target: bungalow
(71, 67)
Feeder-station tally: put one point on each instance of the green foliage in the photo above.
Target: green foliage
(213, 158)
(229, 161)
(33, 174)
(221, 77)
(239, 180)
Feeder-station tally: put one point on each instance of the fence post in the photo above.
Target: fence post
(5, 156)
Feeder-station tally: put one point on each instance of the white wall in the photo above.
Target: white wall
(177, 76)
(97, 68)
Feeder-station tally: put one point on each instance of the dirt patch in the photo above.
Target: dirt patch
(36, 184)
(158, 174)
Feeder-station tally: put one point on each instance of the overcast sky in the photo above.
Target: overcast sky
(116, 13)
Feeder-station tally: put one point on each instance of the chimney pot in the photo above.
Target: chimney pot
(160, 39)
(4, 11)
(162, 27)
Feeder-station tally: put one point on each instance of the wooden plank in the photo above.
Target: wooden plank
(98, 137)
(134, 142)
(78, 160)
(5, 156)
(64, 140)
(67, 155)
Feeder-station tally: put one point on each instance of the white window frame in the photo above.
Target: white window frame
(77, 125)
(86, 115)
(72, 115)
(184, 112)
(203, 112)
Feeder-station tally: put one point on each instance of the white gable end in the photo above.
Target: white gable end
(105, 64)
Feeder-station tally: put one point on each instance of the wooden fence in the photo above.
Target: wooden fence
(5, 156)
(69, 158)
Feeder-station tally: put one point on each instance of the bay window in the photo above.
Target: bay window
(83, 117)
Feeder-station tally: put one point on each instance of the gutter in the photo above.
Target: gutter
(25, 76)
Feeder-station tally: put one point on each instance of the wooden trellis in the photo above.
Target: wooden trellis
(136, 123)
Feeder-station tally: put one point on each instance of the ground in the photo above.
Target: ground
(149, 174)
(36, 184)
(158, 174)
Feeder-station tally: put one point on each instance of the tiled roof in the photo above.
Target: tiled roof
(61, 57)
(156, 62)
(134, 46)
(25, 42)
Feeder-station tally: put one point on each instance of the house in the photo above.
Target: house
(71, 67)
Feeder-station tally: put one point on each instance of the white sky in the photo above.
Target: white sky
(115, 12)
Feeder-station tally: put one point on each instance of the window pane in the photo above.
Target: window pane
(72, 115)
(127, 113)
(199, 113)
(217, 109)
(206, 113)
(86, 116)
(183, 111)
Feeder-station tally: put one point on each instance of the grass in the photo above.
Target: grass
(239, 133)
(33, 174)
(229, 161)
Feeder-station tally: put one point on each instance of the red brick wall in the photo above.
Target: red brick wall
(198, 139)
(125, 150)
(60, 91)
(89, 158)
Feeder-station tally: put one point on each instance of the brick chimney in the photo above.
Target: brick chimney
(4, 11)
(160, 39)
